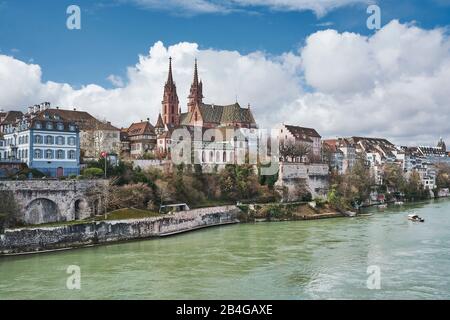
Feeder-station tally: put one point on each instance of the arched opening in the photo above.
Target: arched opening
(41, 211)
(81, 209)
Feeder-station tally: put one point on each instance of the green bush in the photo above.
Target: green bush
(93, 173)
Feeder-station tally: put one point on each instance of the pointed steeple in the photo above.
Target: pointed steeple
(170, 102)
(170, 77)
(196, 93)
(195, 74)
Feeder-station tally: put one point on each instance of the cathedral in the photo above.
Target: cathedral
(199, 114)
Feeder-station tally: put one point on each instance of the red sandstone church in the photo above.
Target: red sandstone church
(199, 115)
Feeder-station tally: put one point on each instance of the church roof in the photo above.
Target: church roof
(211, 113)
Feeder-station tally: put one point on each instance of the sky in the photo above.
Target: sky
(304, 62)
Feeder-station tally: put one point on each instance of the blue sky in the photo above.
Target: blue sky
(306, 62)
(114, 32)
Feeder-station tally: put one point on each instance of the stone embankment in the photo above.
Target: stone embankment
(30, 240)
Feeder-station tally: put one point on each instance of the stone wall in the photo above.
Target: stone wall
(47, 201)
(84, 234)
(315, 176)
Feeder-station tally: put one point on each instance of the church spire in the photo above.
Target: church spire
(195, 73)
(170, 104)
(170, 77)
(196, 93)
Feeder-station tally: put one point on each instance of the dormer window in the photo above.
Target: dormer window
(49, 126)
(38, 125)
(72, 127)
(60, 127)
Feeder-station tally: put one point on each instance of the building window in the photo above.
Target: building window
(71, 141)
(38, 125)
(60, 140)
(211, 156)
(38, 139)
(71, 155)
(49, 126)
(26, 154)
(224, 156)
(71, 128)
(49, 140)
(38, 154)
(60, 154)
(49, 154)
(60, 127)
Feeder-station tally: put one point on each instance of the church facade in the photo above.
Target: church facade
(198, 114)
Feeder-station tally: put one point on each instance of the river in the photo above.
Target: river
(323, 259)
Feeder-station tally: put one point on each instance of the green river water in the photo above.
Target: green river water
(323, 259)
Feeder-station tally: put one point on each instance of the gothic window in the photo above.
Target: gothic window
(60, 154)
(195, 117)
(211, 156)
(203, 156)
(224, 156)
(49, 140)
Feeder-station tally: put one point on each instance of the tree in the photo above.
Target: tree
(295, 150)
(443, 176)
(393, 177)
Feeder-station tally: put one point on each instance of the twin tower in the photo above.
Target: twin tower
(171, 110)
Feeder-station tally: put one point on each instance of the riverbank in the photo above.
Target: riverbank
(49, 238)
(45, 239)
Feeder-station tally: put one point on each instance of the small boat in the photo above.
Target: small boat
(415, 218)
(399, 203)
(382, 206)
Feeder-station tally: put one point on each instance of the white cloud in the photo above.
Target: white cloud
(116, 81)
(319, 7)
(393, 84)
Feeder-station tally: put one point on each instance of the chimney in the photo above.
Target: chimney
(148, 119)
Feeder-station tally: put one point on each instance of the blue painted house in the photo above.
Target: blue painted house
(43, 141)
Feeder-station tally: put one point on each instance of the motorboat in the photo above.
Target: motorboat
(415, 218)
(399, 203)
